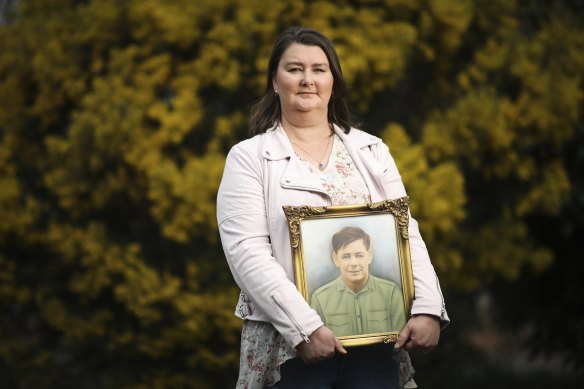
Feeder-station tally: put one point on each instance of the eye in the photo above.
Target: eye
(294, 70)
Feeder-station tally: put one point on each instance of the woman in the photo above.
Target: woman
(303, 151)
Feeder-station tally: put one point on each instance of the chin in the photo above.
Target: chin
(307, 109)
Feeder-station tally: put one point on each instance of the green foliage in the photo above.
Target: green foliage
(115, 118)
(518, 102)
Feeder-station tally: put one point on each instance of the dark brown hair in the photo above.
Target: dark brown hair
(266, 112)
(348, 235)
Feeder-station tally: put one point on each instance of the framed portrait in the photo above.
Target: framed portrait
(352, 264)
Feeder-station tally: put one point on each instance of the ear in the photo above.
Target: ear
(274, 82)
(370, 255)
(334, 256)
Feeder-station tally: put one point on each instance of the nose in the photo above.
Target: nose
(307, 79)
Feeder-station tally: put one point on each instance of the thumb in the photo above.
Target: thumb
(339, 347)
(403, 337)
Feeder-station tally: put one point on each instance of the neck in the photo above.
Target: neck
(306, 130)
(306, 126)
(358, 286)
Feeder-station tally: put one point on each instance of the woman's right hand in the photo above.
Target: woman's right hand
(323, 345)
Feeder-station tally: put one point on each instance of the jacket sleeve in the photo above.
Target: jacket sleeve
(428, 295)
(244, 231)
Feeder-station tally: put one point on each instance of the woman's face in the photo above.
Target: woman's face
(303, 80)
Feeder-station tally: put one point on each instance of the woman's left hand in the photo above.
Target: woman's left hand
(421, 332)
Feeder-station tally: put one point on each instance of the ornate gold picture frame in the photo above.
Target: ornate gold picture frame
(352, 264)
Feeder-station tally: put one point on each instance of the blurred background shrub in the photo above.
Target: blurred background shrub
(115, 119)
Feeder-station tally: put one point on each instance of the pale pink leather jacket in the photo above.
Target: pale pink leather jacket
(261, 175)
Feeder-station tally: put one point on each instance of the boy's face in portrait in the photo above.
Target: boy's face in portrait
(353, 261)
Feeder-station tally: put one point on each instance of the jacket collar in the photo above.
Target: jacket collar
(357, 138)
(277, 145)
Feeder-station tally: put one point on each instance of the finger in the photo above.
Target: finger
(403, 337)
(339, 347)
(410, 345)
(424, 343)
(430, 347)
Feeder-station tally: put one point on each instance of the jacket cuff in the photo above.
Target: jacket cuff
(439, 312)
(296, 338)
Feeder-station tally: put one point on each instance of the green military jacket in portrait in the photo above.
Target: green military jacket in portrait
(377, 307)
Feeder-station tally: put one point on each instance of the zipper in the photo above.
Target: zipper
(304, 187)
(309, 189)
(298, 327)
(442, 297)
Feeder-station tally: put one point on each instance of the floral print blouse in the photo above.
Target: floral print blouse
(340, 178)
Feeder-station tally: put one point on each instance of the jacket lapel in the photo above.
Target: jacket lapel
(294, 176)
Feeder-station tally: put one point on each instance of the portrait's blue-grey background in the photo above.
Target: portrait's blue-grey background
(317, 247)
(115, 120)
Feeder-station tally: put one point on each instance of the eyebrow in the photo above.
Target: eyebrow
(301, 64)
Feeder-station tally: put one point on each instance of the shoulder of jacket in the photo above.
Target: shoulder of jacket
(271, 145)
(359, 138)
(250, 146)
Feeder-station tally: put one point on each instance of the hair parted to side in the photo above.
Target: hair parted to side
(266, 112)
(349, 235)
